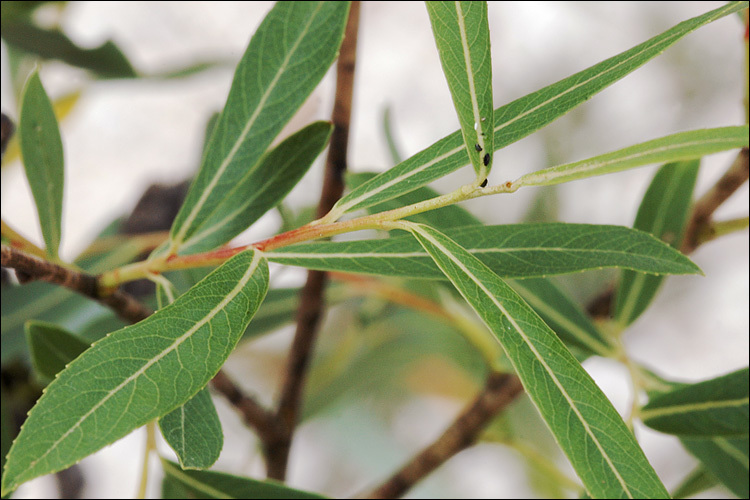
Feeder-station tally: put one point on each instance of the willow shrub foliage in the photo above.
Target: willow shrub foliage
(158, 369)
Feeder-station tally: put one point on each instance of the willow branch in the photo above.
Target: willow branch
(30, 268)
(704, 208)
(311, 296)
(254, 414)
(500, 390)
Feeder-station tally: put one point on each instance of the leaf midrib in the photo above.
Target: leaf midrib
(417, 254)
(472, 86)
(531, 347)
(693, 407)
(587, 165)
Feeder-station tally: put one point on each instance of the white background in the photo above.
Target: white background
(125, 135)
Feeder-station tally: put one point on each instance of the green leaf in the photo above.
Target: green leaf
(210, 484)
(544, 206)
(390, 141)
(107, 60)
(52, 347)
(286, 58)
(663, 213)
(727, 459)
(139, 373)
(716, 407)
(568, 320)
(462, 35)
(512, 251)
(42, 151)
(194, 432)
(260, 189)
(603, 452)
(698, 481)
(521, 117)
(676, 147)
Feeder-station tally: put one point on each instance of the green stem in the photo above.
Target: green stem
(321, 228)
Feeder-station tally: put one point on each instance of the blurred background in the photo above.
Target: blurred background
(122, 135)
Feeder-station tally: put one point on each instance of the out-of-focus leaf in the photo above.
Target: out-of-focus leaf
(52, 347)
(664, 212)
(107, 60)
(396, 157)
(698, 481)
(568, 320)
(727, 459)
(716, 407)
(42, 151)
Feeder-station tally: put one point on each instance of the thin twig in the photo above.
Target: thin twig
(31, 268)
(704, 208)
(499, 391)
(256, 417)
(311, 296)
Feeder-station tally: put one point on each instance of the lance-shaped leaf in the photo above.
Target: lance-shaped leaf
(602, 450)
(42, 151)
(462, 35)
(664, 212)
(286, 58)
(520, 118)
(727, 459)
(194, 432)
(260, 188)
(209, 484)
(716, 407)
(512, 251)
(676, 147)
(139, 373)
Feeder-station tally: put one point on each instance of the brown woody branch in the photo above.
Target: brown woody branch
(699, 226)
(256, 417)
(500, 390)
(311, 296)
(29, 268)
(704, 208)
